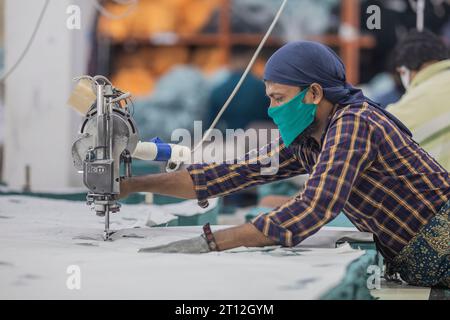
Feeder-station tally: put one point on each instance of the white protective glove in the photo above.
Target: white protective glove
(194, 245)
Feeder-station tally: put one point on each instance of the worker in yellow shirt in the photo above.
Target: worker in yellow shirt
(422, 60)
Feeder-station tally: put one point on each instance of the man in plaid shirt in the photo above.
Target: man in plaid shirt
(361, 161)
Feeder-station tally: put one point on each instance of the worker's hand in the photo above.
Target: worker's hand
(194, 245)
(125, 187)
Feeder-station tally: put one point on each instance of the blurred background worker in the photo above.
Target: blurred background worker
(248, 105)
(422, 60)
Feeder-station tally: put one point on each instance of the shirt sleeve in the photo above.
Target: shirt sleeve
(348, 148)
(273, 162)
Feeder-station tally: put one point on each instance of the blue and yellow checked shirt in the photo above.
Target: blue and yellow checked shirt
(382, 180)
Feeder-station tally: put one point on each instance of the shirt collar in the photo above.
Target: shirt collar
(330, 117)
(430, 71)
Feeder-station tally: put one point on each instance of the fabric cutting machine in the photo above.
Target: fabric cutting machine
(108, 137)
(108, 140)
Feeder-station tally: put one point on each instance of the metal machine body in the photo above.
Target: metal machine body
(108, 137)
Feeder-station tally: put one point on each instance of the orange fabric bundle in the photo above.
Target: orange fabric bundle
(258, 67)
(116, 29)
(149, 17)
(154, 16)
(209, 59)
(137, 81)
(164, 58)
(140, 58)
(194, 14)
(153, 61)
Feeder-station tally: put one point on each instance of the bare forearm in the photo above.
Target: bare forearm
(246, 235)
(177, 184)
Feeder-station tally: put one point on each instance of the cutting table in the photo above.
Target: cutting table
(42, 241)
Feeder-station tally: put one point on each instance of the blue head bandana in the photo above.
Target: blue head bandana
(302, 63)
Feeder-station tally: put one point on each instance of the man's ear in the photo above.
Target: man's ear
(316, 93)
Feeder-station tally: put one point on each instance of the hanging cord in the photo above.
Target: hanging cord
(244, 75)
(6, 74)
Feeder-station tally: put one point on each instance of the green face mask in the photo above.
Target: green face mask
(293, 117)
